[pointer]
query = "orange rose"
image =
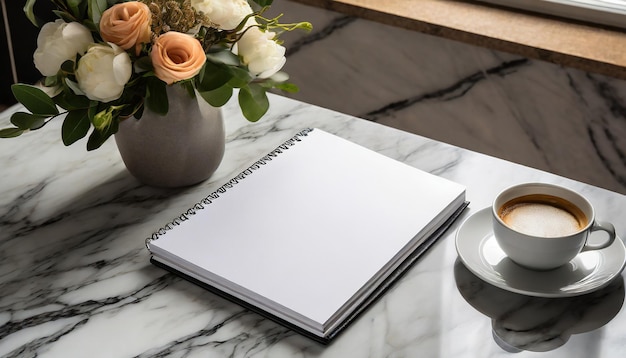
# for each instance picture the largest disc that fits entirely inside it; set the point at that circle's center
(127, 25)
(176, 56)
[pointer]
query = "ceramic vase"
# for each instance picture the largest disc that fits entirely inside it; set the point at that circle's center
(179, 149)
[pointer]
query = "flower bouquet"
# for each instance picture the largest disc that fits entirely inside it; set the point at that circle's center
(104, 61)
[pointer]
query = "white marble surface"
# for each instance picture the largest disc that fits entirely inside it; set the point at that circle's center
(531, 112)
(75, 280)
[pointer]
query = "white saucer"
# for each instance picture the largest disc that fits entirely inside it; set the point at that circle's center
(479, 251)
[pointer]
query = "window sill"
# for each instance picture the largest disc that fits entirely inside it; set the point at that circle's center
(589, 47)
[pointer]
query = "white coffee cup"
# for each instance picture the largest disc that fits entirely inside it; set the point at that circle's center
(543, 226)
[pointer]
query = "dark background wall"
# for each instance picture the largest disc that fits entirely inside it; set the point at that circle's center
(24, 40)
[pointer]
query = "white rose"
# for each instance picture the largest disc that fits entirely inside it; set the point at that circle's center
(263, 56)
(227, 14)
(58, 42)
(103, 71)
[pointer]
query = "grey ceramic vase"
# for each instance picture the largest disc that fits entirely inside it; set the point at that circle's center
(179, 149)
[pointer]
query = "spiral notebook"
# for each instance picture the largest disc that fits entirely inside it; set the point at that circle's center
(310, 234)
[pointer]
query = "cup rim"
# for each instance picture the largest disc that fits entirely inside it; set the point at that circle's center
(590, 220)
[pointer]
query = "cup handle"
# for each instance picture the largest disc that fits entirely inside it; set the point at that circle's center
(604, 226)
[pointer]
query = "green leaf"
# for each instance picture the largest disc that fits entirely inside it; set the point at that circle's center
(97, 138)
(93, 110)
(30, 14)
(74, 87)
(34, 99)
(67, 66)
(287, 87)
(27, 121)
(72, 102)
(156, 96)
(75, 7)
(64, 15)
(264, 2)
(75, 126)
(95, 8)
(224, 56)
(253, 102)
(51, 81)
(91, 25)
(10, 132)
(213, 75)
(134, 108)
(218, 97)
(240, 79)
(143, 64)
(187, 85)
(138, 113)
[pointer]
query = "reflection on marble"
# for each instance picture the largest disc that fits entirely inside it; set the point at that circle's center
(538, 114)
(538, 324)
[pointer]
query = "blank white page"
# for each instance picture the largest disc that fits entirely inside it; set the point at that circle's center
(310, 228)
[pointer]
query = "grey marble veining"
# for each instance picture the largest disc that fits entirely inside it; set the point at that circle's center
(531, 112)
(75, 277)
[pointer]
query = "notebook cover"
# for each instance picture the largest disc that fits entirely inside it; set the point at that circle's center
(387, 211)
(377, 293)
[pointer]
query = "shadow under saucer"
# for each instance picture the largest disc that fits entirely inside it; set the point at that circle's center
(538, 324)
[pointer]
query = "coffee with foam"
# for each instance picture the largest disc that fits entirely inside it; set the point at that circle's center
(543, 216)
(543, 226)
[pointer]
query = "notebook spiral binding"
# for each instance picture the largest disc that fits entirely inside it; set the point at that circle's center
(221, 190)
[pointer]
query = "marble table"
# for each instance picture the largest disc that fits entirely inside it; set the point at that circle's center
(75, 277)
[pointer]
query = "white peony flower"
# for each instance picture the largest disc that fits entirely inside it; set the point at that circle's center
(103, 71)
(263, 56)
(58, 42)
(227, 14)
